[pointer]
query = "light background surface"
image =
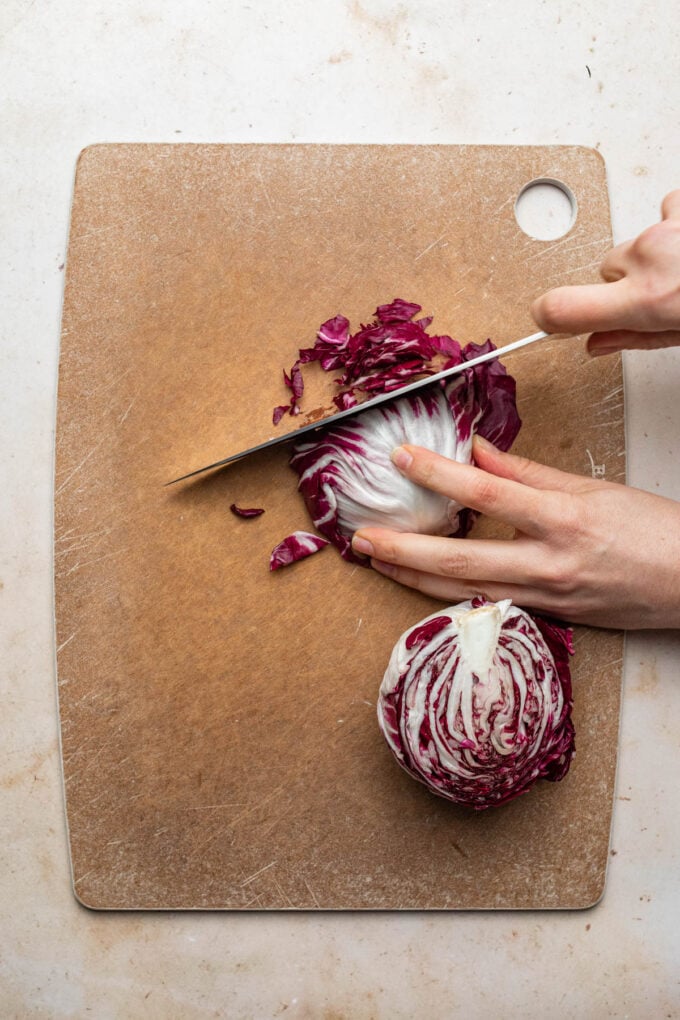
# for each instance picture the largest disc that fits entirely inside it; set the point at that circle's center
(72, 74)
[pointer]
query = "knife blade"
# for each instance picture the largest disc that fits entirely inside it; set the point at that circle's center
(368, 405)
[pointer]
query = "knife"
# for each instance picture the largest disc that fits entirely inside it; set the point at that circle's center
(367, 405)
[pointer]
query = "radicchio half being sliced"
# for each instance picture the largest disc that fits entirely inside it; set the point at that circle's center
(476, 702)
(348, 480)
(295, 547)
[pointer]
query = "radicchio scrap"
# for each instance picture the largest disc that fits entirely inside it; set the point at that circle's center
(476, 702)
(295, 547)
(239, 511)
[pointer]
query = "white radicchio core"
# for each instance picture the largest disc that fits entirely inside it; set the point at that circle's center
(476, 702)
(349, 480)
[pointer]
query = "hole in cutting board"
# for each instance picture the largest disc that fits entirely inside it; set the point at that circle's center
(546, 209)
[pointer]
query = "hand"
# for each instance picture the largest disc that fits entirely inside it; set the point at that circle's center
(638, 306)
(585, 550)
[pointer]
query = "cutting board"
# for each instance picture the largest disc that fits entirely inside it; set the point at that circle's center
(218, 721)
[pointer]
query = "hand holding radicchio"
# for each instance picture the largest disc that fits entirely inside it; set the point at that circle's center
(476, 702)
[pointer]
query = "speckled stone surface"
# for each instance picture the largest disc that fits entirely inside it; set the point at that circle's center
(528, 73)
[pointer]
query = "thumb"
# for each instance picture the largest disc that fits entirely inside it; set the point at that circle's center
(521, 469)
(587, 308)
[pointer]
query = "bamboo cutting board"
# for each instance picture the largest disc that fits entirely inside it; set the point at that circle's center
(219, 735)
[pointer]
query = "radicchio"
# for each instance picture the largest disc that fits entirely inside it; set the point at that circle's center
(476, 702)
(378, 358)
(295, 547)
(247, 512)
(348, 480)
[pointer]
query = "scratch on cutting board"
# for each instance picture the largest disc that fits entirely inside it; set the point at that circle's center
(81, 541)
(254, 899)
(88, 563)
(361, 620)
(67, 641)
(216, 807)
(77, 468)
(113, 226)
(232, 822)
(429, 247)
(108, 384)
(283, 894)
(256, 874)
(126, 413)
(311, 893)
(81, 878)
(600, 241)
(264, 188)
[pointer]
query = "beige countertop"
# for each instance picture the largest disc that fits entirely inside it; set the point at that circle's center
(602, 75)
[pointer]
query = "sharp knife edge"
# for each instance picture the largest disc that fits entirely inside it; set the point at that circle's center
(367, 405)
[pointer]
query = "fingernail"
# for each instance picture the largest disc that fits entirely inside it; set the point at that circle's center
(388, 569)
(362, 546)
(484, 443)
(401, 458)
(596, 352)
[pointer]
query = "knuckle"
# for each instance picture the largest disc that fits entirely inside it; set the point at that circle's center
(645, 244)
(485, 492)
(455, 564)
(561, 575)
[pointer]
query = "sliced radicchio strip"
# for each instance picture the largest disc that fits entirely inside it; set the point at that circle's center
(239, 511)
(476, 702)
(378, 358)
(295, 547)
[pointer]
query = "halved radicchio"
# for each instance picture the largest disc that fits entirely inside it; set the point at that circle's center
(476, 702)
(346, 476)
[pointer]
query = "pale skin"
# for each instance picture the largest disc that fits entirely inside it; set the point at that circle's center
(585, 550)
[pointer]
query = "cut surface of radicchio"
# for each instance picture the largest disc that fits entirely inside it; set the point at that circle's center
(295, 547)
(476, 702)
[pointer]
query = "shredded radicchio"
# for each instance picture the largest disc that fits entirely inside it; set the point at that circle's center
(476, 702)
(295, 547)
(378, 358)
(239, 511)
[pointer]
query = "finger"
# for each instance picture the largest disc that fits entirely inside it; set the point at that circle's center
(499, 498)
(486, 559)
(521, 469)
(453, 590)
(670, 207)
(616, 340)
(615, 263)
(587, 308)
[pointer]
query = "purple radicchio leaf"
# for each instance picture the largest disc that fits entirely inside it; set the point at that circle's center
(247, 512)
(295, 547)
